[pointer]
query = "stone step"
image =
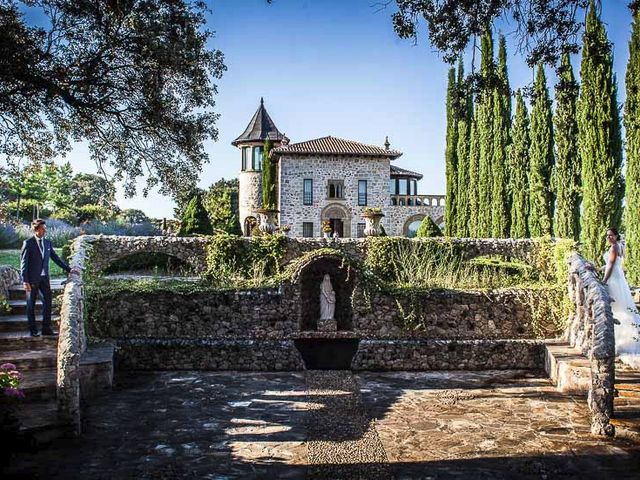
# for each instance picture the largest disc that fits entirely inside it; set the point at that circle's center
(18, 323)
(19, 307)
(567, 368)
(39, 384)
(44, 357)
(22, 340)
(17, 291)
(40, 422)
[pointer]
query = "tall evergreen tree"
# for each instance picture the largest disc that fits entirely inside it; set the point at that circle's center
(473, 191)
(484, 131)
(196, 219)
(464, 163)
(541, 160)
(500, 201)
(599, 138)
(566, 176)
(451, 161)
(269, 197)
(632, 128)
(518, 166)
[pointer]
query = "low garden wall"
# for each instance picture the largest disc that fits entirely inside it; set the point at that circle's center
(8, 276)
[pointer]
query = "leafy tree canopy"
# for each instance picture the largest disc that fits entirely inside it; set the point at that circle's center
(133, 78)
(542, 27)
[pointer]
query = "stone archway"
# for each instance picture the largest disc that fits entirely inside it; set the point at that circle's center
(407, 229)
(339, 217)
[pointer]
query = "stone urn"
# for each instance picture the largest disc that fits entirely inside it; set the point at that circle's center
(372, 223)
(267, 220)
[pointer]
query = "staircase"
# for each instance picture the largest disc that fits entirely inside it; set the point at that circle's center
(626, 416)
(36, 359)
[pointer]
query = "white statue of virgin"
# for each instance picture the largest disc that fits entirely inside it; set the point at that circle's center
(327, 299)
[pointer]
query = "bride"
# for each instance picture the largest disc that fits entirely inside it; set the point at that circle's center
(624, 310)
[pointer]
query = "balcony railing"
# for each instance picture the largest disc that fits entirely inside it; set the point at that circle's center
(417, 200)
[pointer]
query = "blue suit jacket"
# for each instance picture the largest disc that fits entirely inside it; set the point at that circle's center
(32, 262)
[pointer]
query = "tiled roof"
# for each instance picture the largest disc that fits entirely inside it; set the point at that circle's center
(397, 171)
(260, 128)
(335, 146)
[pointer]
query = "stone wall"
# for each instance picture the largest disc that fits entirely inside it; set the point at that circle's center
(205, 354)
(449, 355)
(106, 249)
(8, 276)
(169, 315)
(448, 314)
(246, 326)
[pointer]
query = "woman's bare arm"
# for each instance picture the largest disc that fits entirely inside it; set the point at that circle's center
(613, 254)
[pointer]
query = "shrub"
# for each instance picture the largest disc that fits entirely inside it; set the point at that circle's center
(118, 228)
(9, 238)
(60, 232)
(66, 214)
(428, 228)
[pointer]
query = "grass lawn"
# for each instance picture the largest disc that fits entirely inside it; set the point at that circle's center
(12, 257)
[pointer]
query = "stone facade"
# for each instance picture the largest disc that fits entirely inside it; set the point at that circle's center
(321, 169)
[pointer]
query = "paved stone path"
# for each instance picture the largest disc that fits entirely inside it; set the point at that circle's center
(230, 425)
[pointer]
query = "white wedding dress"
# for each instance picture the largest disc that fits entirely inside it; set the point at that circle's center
(627, 332)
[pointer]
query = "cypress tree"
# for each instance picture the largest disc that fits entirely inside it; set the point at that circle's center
(269, 197)
(428, 228)
(518, 165)
(599, 139)
(473, 191)
(541, 160)
(451, 161)
(566, 177)
(464, 175)
(632, 127)
(484, 131)
(196, 219)
(500, 201)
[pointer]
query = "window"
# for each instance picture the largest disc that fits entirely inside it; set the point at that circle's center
(257, 158)
(403, 186)
(414, 187)
(245, 157)
(307, 192)
(362, 192)
(360, 230)
(307, 229)
(335, 189)
(393, 188)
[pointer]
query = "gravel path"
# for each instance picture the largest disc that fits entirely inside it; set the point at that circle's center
(342, 438)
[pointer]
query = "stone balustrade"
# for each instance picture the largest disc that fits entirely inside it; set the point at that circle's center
(591, 330)
(418, 200)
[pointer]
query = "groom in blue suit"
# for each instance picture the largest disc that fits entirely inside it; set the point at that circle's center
(34, 266)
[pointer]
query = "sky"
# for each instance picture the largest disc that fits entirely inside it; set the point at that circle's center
(336, 67)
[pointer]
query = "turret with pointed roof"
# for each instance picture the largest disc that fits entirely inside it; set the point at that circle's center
(260, 128)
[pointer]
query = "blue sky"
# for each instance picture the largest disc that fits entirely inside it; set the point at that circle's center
(335, 67)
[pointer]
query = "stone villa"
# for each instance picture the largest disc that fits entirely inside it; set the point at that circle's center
(330, 179)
